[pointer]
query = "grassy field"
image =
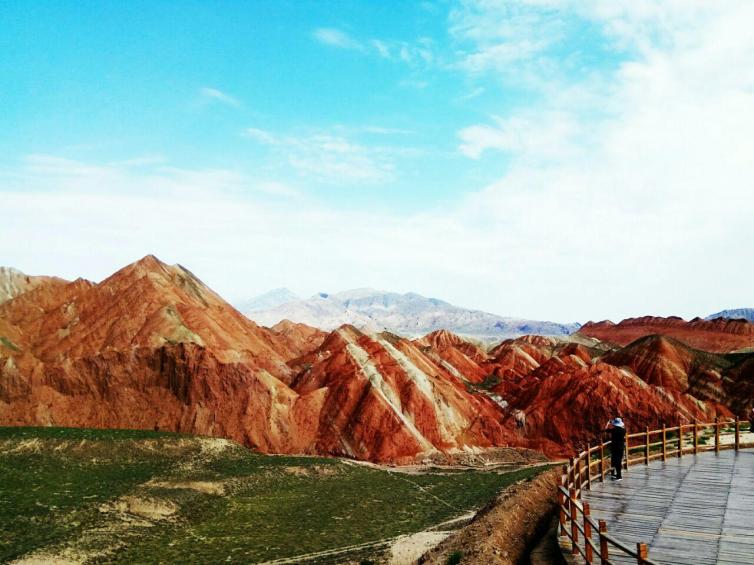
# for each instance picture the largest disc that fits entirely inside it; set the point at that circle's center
(120, 496)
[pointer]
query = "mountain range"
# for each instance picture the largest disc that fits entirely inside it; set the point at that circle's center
(407, 314)
(152, 347)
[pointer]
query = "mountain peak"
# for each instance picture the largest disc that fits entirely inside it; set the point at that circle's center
(149, 262)
(270, 299)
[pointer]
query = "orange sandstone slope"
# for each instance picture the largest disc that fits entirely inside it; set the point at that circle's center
(458, 356)
(151, 346)
(569, 392)
(720, 335)
(389, 401)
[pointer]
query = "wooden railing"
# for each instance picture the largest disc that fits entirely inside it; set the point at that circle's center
(576, 522)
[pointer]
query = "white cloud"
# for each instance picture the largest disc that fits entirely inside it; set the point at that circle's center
(54, 174)
(382, 48)
(416, 53)
(238, 243)
(540, 138)
(505, 36)
(330, 158)
(629, 193)
(213, 94)
(337, 38)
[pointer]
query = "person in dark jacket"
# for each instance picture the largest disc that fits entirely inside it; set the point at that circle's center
(617, 430)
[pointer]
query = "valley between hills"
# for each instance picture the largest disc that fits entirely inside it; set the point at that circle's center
(111, 394)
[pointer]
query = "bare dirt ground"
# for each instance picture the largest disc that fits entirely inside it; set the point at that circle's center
(504, 530)
(503, 458)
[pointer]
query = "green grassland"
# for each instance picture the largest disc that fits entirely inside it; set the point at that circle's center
(123, 496)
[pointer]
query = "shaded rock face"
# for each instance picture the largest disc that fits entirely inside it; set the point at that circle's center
(719, 335)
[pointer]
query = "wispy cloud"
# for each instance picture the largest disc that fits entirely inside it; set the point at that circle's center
(379, 130)
(216, 95)
(337, 38)
(416, 53)
(552, 136)
(330, 157)
(139, 175)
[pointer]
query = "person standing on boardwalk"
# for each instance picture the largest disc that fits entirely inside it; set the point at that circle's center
(617, 430)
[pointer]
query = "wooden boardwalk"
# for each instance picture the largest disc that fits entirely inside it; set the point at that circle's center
(698, 509)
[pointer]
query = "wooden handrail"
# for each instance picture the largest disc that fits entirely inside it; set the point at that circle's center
(577, 475)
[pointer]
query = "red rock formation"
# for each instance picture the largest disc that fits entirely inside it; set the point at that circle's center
(681, 370)
(572, 404)
(182, 387)
(720, 335)
(153, 347)
(295, 339)
(458, 356)
(387, 400)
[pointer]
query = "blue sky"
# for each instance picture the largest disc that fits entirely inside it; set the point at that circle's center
(483, 152)
(183, 81)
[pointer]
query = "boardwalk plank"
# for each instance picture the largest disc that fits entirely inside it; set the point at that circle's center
(698, 509)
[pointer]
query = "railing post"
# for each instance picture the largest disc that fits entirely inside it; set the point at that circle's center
(604, 550)
(642, 553)
(577, 474)
(588, 466)
(646, 447)
(696, 437)
(627, 451)
(571, 466)
(680, 439)
(602, 461)
(738, 434)
(562, 504)
(587, 534)
(717, 434)
(664, 444)
(574, 525)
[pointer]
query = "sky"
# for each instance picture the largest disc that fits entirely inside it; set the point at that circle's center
(564, 160)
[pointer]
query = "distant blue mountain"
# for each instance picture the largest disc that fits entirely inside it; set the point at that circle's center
(736, 313)
(407, 314)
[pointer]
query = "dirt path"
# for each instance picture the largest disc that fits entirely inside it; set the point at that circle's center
(407, 548)
(385, 543)
(503, 531)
